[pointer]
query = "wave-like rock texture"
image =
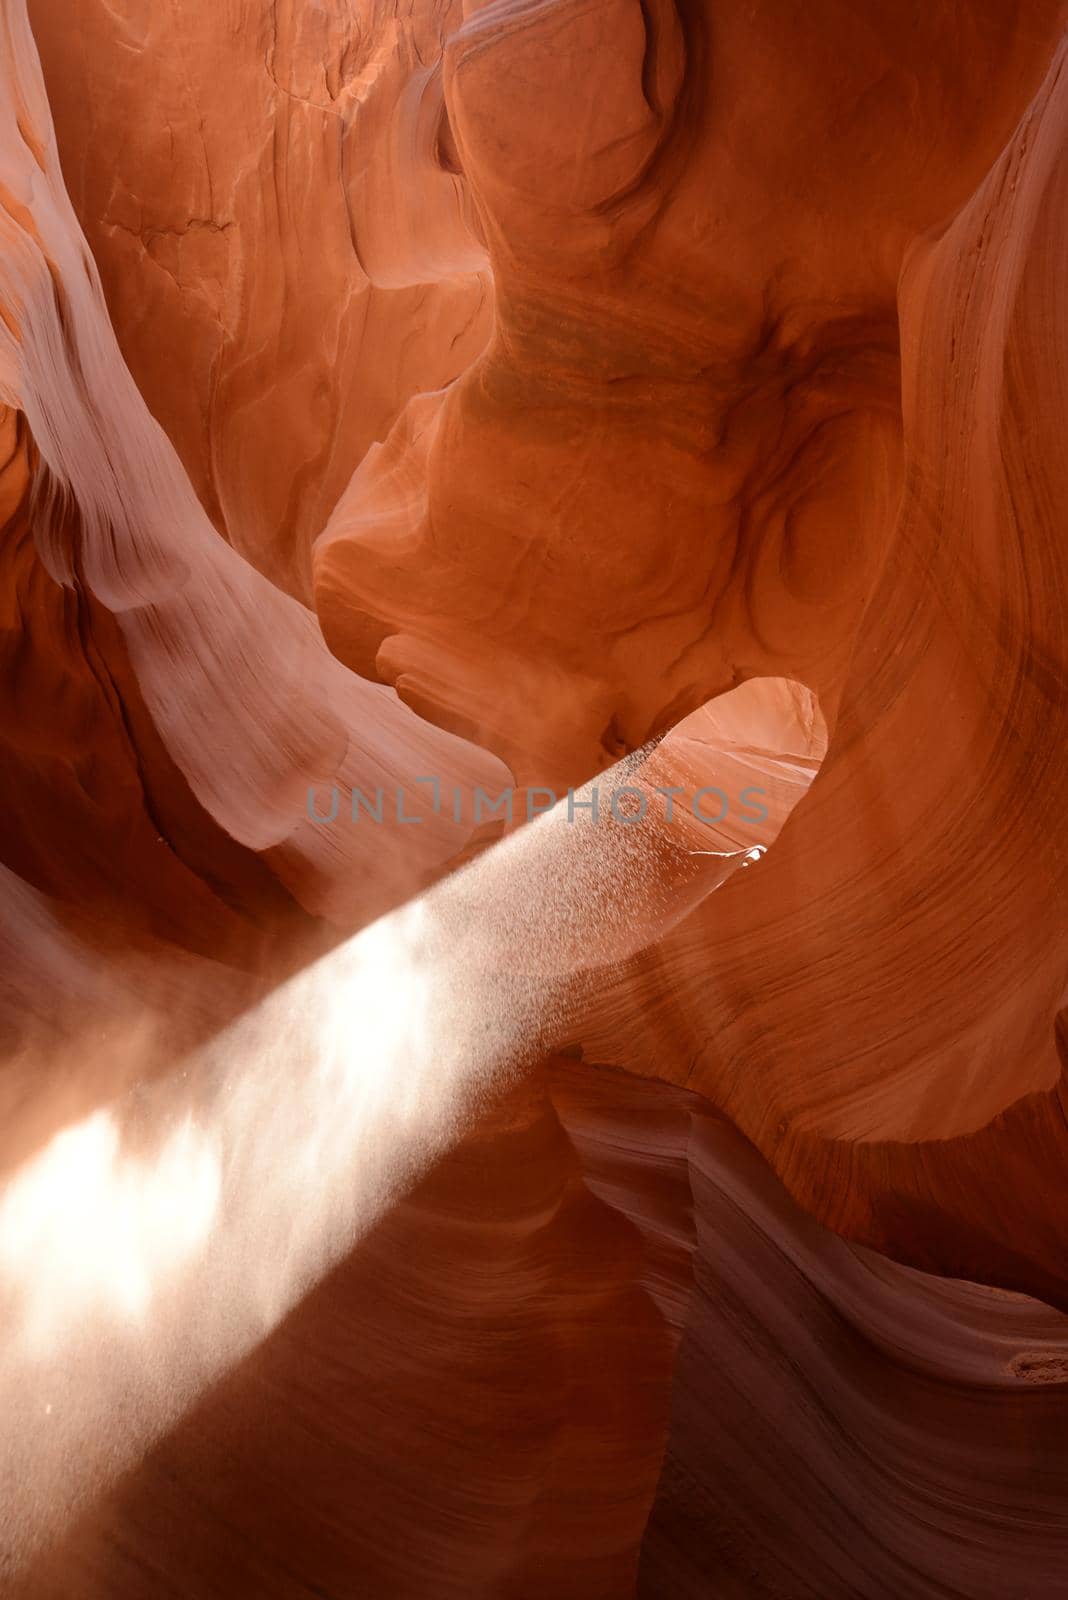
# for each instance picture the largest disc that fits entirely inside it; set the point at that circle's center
(474, 1405)
(727, 479)
(839, 1425)
(882, 1014)
(867, 1394)
(283, 252)
(576, 363)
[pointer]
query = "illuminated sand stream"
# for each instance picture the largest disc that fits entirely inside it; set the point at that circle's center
(146, 1248)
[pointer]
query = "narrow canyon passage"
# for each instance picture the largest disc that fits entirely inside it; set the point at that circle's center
(534, 710)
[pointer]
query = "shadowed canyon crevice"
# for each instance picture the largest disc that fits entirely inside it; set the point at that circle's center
(534, 725)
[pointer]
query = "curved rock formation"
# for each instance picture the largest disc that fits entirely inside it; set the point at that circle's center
(865, 1393)
(577, 364)
(223, 167)
(929, 859)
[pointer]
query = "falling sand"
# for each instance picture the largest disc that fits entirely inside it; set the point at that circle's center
(149, 1246)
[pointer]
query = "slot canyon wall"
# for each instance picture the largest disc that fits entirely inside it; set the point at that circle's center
(482, 391)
